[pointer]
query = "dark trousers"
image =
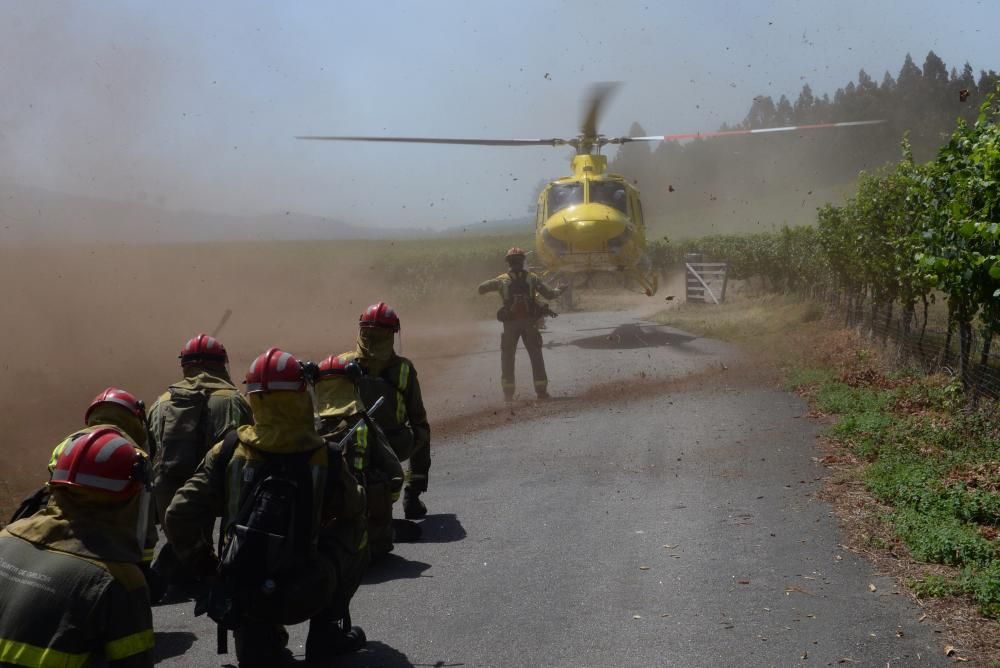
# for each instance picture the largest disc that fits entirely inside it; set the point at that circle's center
(418, 456)
(526, 330)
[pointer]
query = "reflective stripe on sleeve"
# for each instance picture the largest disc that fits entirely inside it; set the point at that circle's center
(17, 653)
(148, 553)
(360, 447)
(404, 380)
(130, 645)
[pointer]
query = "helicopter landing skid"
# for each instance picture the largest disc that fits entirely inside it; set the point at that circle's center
(648, 281)
(626, 279)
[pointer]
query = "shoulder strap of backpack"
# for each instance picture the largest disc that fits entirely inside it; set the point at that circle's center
(229, 444)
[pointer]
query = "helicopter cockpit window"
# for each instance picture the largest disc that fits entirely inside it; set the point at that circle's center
(563, 195)
(610, 193)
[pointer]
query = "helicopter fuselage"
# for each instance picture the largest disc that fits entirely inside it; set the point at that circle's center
(592, 222)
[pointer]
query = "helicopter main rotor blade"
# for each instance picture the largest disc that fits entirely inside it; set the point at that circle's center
(599, 94)
(730, 133)
(445, 140)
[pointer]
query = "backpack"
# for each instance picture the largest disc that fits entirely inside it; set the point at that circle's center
(184, 435)
(32, 504)
(520, 299)
(270, 536)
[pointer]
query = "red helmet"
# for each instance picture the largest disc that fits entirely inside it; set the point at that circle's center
(379, 315)
(103, 460)
(334, 365)
(339, 366)
(119, 397)
(273, 371)
(515, 252)
(203, 348)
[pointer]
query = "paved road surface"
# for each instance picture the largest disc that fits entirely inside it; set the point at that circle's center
(680, 529)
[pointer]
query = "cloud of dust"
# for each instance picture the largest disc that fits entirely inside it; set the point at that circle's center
(96, 139)
(80, 107)
(81, 318)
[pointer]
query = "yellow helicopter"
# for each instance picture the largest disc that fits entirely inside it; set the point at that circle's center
(590, 222)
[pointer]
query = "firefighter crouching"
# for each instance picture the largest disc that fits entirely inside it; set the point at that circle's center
(120, 409)
(71, 590)
(402, 416)
(368, 453)
(279, 488)
(185, 422)
(520, 313)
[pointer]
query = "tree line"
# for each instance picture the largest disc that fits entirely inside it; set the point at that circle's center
(913, 232)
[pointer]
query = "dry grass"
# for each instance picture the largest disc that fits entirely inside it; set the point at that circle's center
(746, 320)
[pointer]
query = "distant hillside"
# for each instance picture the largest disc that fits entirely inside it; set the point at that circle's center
(32, 215)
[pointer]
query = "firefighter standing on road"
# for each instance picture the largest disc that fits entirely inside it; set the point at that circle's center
(71, 590)
(185, 422)
(371, 458)
(402, 416)
(520, 314)
(276, 484)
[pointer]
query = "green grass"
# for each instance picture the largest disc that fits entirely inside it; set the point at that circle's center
(913, 459)
(936, 586)
(802, 377)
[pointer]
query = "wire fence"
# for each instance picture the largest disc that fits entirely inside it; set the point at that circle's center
(912, 341)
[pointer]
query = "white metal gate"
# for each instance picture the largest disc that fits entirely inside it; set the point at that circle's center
(705, 281)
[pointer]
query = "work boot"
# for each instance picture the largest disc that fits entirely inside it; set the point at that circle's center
(543, 395)
(406, 531)
(413, 507)
(262, 645)
(508, 396)
(326, 641)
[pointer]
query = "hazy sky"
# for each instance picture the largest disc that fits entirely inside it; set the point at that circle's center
(194, 105)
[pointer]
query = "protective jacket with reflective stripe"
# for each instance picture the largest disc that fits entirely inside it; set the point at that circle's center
(503, 283)
(402, 415)
(64, 610)
(214, 491)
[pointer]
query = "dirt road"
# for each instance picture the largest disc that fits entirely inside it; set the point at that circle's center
(676, 524)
